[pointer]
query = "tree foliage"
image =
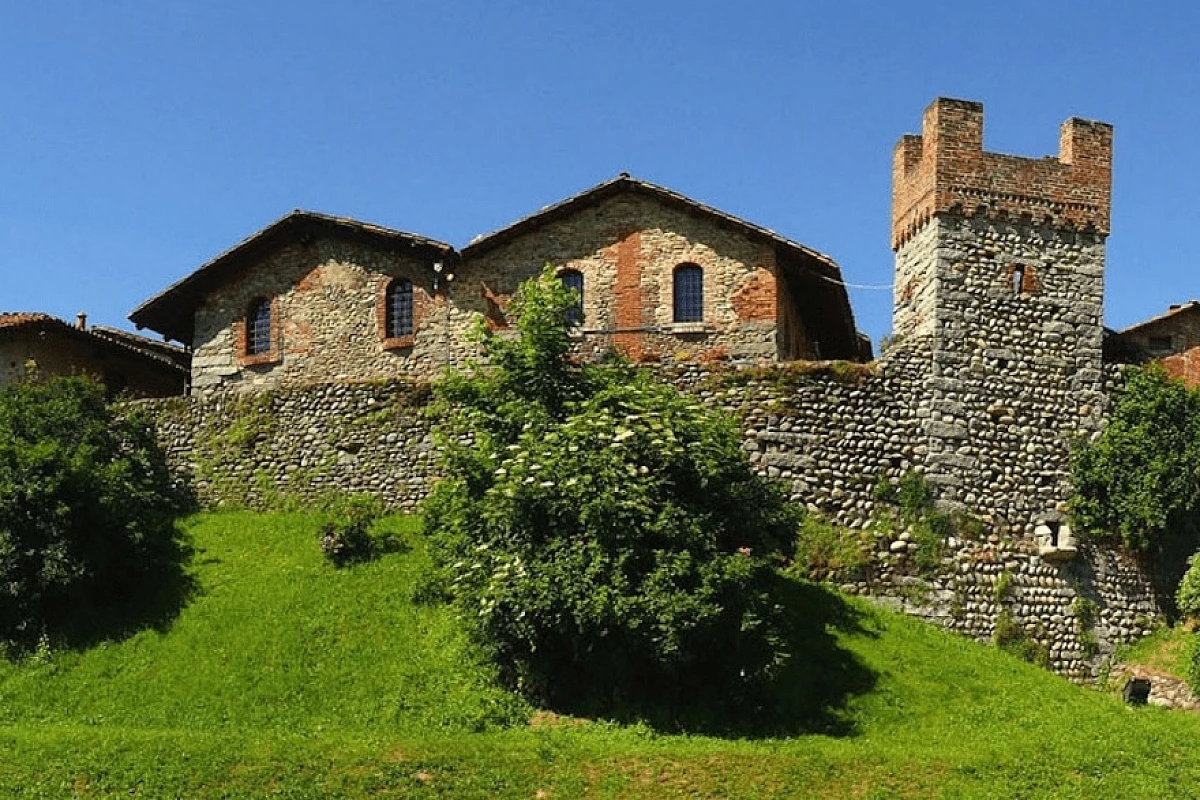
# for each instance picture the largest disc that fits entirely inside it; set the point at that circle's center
(86, 513)
(1140, 479)
(604, 534)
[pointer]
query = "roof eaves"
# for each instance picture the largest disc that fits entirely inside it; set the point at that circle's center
(625, 181)
(211, 272)
(1190, 306)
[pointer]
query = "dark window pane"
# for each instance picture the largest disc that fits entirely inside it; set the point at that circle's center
(400, 309)
(573, 280)
(258, 334)
(689, 293)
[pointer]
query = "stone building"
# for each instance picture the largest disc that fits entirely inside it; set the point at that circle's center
(313, 298)
(1172, 338)
(34, 344)
(1000, 274)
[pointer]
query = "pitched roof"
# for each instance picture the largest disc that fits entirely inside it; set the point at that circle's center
(110, 338)
(626, 183)
(1173, 311)
(171, 312)
(162, 350)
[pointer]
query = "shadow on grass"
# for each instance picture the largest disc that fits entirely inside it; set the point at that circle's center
(149, 598)
(808, 695)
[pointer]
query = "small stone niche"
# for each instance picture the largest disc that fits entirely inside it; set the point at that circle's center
(1055, 540)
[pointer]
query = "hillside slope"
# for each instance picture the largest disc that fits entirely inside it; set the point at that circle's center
(285, 677)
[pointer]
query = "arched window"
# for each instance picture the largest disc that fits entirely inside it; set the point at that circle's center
(573, 280)
(689, 293)
(399, 302)
(258, 327)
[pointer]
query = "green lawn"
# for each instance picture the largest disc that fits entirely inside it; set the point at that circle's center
(284, 677)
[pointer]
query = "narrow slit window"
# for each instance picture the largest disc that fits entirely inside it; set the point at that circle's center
(258, 327)
(399, 309)
(1018, 279)
(573, 279)
(689, 293)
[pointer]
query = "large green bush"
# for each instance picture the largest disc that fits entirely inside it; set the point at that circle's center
(604, 534)
(86, 515)
(1140, 479)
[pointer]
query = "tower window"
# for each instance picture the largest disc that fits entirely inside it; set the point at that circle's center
(1018, 279)
(573, 279)
(258, 327)
(689, 293)
(399, 302)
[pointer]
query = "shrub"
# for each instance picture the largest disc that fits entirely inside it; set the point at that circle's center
(1140, 479)
(1187, 598)
(87, 534)
(1010, 637)
(603, 535)
(346, 539)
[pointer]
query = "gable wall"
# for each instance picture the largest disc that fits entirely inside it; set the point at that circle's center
(627, 248)
(327, 299)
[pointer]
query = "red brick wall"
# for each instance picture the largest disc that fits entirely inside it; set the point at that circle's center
(946, 168)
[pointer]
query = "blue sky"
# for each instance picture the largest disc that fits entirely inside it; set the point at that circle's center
(138, 139)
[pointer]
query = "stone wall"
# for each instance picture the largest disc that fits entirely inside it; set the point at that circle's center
(1016, 369)
(828, 431)
(299, 445)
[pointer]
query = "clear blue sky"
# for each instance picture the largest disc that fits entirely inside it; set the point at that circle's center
(138, 139)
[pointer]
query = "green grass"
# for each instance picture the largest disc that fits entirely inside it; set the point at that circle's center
(284, 677)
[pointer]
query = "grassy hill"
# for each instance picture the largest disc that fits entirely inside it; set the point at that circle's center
(284, 677)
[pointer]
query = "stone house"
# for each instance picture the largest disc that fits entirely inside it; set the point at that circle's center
(313, 298)
(39, 344)
(1172, 338)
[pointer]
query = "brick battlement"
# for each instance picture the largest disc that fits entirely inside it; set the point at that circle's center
(945, 170)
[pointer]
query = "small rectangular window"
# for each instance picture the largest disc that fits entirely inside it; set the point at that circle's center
(1160, 344)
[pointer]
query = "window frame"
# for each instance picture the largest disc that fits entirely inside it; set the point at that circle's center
(390, 337)
(569, 277)
(258, 332)
(687, 301)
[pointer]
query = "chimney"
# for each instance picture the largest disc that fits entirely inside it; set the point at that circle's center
(81, 321)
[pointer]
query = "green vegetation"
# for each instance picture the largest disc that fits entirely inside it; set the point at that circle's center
(87, 535)
(604, 537)
(1187, 596)
(1140, 479)
(287, 677)
(909, 504)
(827, 552)
(348, 537)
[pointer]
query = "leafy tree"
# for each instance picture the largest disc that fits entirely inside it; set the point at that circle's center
(603, 534)
(1140, 479)
(87, 512)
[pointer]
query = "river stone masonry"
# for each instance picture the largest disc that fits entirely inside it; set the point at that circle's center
(1000, 267)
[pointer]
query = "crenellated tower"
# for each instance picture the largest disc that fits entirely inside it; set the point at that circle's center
(1000, 275)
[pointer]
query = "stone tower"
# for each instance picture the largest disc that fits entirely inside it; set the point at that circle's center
(1000, 278)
